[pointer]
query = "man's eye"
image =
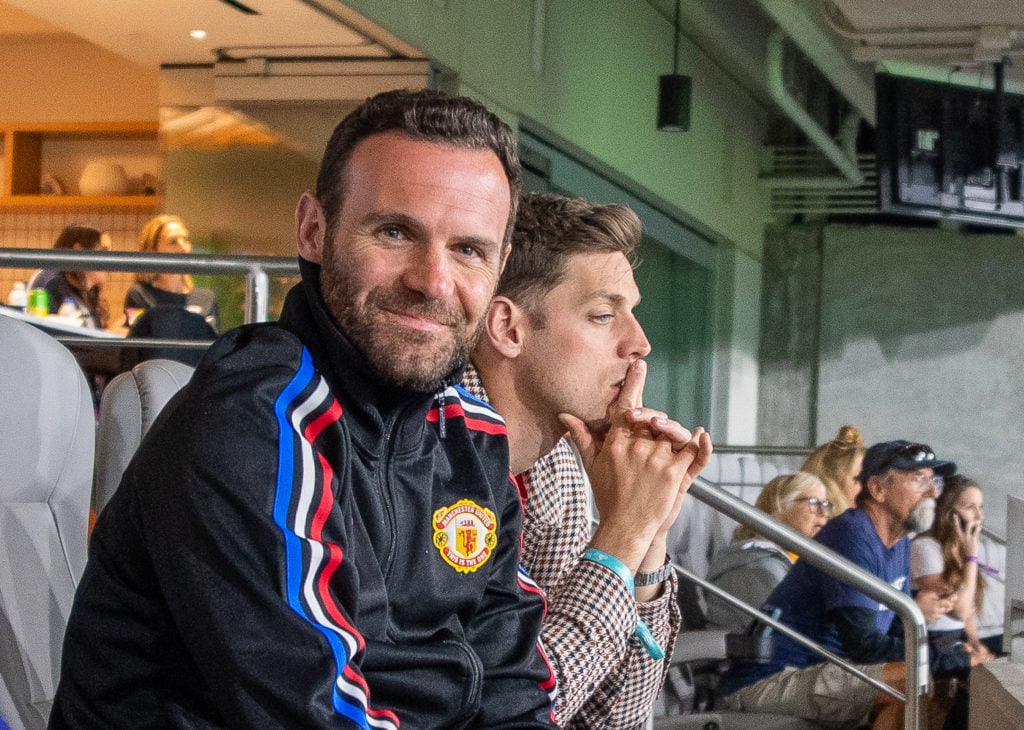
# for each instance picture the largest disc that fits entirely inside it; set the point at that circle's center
(468, 251)
(391, 232)
(603, 318)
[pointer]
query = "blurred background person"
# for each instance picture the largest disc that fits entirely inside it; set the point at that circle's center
(168, 234)
(837, 463)
(79, 295)
(82, 289)
(752, 566)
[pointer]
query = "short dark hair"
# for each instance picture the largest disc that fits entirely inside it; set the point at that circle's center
(549, 229)
(425, 115)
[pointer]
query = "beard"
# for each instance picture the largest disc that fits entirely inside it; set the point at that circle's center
(413, 359)
(922, 516)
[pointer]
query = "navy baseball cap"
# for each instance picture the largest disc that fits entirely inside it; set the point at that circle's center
(902, 455)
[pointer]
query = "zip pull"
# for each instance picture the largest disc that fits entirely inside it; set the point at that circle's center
(441, 419)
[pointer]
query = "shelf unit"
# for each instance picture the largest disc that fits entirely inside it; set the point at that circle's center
(23, 152)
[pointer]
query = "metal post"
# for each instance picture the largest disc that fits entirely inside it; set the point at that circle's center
(257, 295)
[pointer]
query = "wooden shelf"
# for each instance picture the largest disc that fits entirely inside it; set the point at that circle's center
(49, 202)
(25, 160)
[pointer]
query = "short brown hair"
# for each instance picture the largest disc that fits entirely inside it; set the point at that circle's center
(424, 115)
(549, 229)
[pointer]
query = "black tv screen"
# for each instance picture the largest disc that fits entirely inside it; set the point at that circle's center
(947, 151)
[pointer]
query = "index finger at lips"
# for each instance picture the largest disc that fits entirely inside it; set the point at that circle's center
(632, 394)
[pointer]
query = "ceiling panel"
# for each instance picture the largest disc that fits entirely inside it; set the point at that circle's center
(866, 15)
(157, 32)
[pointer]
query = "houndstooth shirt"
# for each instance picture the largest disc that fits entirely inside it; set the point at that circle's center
(606, 679)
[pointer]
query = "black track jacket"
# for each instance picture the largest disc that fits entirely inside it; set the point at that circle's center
(298, 544)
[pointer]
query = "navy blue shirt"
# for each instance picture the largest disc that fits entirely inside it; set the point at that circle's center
(806, 596)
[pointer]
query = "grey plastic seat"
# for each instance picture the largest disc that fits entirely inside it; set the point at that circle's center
(47, 432)
(130, 404)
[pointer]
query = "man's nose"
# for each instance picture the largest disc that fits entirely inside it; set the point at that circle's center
(635, 343)
(430, 273)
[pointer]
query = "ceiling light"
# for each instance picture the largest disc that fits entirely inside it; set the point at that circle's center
(198, 34)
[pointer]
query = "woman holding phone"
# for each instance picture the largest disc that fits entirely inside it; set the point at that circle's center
(945, 558)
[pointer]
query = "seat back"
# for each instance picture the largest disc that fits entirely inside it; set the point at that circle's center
(47, 432)
(130, 404)
(172, 323)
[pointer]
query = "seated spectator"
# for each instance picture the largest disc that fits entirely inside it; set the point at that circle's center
(561, 340)
(752, 566)
(899, 480)
(82, 291)
(83, 288)
(837, 463)
(320, 530)
(945, 558)
(168, 234)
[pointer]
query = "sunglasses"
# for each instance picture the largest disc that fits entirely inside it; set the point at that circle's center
(818, 506)
(916, 453)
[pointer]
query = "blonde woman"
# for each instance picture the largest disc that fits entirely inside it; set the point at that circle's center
(837, 463)
(168, 234)
(752, 566)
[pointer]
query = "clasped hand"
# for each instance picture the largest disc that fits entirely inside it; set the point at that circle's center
(640, 464)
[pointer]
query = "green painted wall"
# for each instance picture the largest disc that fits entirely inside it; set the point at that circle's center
(597, 88)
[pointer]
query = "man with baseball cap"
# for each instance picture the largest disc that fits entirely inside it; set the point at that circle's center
(900, 481)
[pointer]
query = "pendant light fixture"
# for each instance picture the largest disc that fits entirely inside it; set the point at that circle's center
(674, 91)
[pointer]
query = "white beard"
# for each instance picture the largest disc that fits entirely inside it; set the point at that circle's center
(922, 516)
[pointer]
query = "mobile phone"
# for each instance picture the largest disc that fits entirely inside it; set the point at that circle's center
(960, 519)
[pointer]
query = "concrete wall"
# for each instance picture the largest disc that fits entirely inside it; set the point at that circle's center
(921, 337)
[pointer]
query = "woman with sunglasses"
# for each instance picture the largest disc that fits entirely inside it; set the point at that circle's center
(752, 566)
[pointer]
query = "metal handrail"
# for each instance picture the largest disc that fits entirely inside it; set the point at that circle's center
(257, 269)
(746, 608)
(914, 628)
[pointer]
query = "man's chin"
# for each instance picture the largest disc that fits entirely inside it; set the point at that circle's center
(922, 517)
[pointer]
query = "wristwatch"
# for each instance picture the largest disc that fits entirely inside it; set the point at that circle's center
(654, 577)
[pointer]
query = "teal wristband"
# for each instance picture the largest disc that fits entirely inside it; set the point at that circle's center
(619, 568)
(613, 564)
(643, 633)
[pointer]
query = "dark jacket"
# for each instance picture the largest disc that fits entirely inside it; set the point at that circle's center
(296, 544)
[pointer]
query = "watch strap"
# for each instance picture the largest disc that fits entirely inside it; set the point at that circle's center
(653, 577)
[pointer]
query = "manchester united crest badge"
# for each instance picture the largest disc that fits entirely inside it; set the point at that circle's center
(465, 534)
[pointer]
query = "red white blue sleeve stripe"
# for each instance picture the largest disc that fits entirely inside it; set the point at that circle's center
(303, 502)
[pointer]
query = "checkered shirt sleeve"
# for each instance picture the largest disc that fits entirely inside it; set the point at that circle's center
(606, 679)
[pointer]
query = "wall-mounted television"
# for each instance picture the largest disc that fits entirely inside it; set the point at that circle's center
(947, 151)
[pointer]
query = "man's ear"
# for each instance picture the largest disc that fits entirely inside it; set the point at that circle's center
(505, 326)
(875, 488)
(310, 228)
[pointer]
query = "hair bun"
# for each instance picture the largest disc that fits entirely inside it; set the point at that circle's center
(849, 436)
